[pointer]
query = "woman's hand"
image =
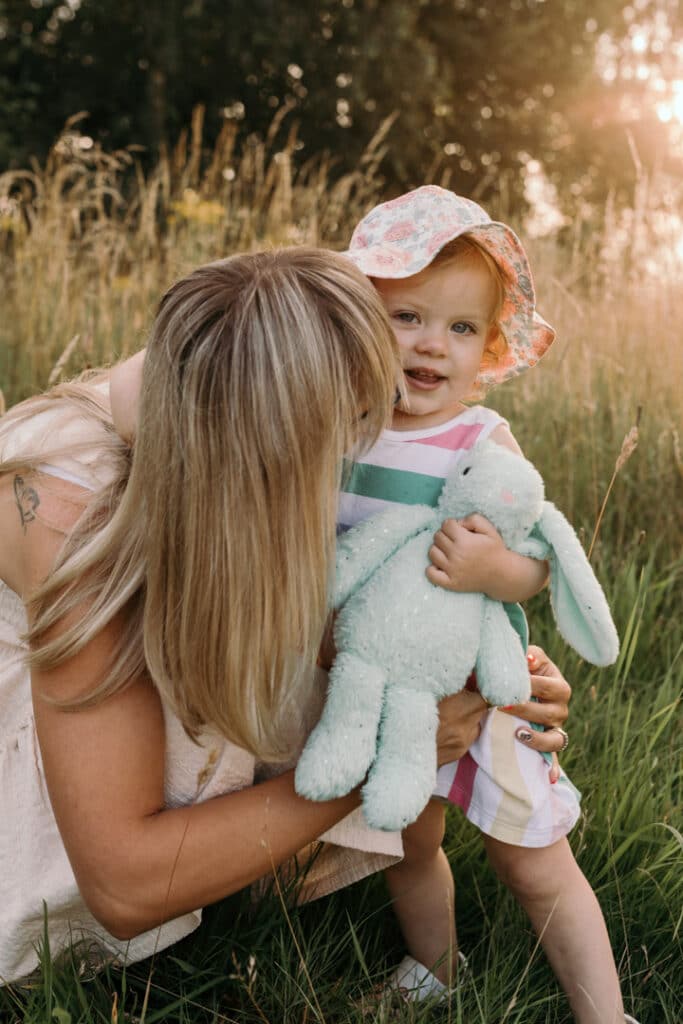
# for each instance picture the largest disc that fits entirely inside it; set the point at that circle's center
(459, 724)
(460, 715)
(550, 709)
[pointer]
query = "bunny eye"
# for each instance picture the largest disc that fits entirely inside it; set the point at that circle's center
(466, 470)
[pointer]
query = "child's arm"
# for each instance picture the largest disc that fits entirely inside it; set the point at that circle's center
(469, 555)
(125, 380)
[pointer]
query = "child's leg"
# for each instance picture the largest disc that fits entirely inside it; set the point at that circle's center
(423, 893)
(564, 911)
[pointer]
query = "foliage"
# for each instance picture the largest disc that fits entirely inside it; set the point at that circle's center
(479, 87)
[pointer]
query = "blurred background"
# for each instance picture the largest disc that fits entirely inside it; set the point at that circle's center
(562, 98)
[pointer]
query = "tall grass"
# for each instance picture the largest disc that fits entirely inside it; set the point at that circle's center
(88, 242)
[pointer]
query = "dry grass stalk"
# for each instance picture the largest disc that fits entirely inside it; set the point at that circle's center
(64, 358)
(628, 446)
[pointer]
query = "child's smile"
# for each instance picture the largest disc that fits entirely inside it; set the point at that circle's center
(423, 379)
(442, 321)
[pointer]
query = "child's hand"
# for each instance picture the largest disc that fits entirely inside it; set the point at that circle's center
(466, 554)
(469, 556)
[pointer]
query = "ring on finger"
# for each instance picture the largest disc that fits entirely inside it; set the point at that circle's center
(563, 734)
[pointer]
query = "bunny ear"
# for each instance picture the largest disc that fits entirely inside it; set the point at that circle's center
(581, 612)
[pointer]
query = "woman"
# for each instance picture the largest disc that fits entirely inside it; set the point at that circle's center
(174, 599)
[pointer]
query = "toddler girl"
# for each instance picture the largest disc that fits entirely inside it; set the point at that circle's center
(458, 290)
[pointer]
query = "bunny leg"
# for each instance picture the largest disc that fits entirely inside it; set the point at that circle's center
(502, 670)
(342, 745)
(403, 775)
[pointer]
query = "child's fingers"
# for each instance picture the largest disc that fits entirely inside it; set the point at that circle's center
(439, 577)
(449, 530)
(476, 523)
(448, 541)
(438, 556)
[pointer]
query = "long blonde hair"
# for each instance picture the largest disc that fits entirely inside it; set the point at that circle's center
(261, 371)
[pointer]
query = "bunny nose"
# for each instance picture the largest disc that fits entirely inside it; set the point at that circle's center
(508, 497)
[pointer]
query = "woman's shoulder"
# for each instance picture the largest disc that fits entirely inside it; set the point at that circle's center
(67, 432)
(36, 513)
(56, 450)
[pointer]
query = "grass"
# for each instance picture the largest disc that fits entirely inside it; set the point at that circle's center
(88, 242)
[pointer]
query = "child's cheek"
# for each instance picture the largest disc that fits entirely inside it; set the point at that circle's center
(404, 343)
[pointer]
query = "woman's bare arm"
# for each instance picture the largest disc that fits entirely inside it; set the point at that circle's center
(136, 862)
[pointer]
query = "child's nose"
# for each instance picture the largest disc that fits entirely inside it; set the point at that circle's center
(432, 341)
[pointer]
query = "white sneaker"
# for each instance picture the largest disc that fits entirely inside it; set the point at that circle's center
(415, 983)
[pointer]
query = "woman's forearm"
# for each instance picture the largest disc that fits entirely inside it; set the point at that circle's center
(138, 863)
(183, 858)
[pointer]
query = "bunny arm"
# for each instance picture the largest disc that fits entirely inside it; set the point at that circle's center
(577, 599)
(363, 548)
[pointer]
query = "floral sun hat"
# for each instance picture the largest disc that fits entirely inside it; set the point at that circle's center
(401, 237)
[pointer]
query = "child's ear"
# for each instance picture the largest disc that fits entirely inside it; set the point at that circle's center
(495, 346)
(493, 340)
(125, 382)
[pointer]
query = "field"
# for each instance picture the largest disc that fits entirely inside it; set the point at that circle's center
(87, 244)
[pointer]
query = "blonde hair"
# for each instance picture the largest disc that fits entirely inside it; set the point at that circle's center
(467, 247)
(217, 544)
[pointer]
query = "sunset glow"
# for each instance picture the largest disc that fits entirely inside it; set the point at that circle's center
(672, 108)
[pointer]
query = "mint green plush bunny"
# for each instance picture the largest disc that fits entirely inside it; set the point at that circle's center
(403, 643)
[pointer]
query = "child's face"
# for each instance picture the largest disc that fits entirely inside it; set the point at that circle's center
(442, 321)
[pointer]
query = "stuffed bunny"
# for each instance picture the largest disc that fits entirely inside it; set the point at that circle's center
(403, 643)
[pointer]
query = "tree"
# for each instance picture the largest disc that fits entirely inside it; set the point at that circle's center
(480, 86)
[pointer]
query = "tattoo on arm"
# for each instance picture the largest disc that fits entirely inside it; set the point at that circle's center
(27, 501)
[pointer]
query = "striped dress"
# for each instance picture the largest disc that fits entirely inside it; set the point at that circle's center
(501, 785)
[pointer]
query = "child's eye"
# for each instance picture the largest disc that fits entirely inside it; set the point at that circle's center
(405, 316)
(462, 327)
